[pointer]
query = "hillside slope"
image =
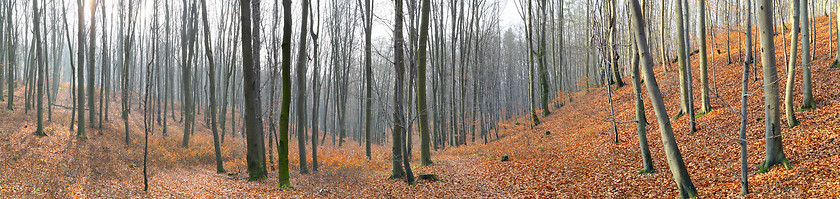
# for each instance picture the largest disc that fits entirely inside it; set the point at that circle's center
(577, 159)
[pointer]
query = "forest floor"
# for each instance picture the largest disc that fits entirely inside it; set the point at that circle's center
(577, 159)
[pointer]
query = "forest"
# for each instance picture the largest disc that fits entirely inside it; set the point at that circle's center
(419, 99)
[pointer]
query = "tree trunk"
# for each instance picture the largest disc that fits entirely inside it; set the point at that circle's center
(316, 86)
(253, 112)
(368, 76)
(301, 82)
(212, 67)
(641, 120)
(422, 109)
(36, 22)
(791, 68)
(836, 63)
(682, 58)
(91, 67)
(80, 83)
(283, 136)
(774, 153)
(543, 73)
(807, 96)
(705, 103)
(672, 151)
(397, 141)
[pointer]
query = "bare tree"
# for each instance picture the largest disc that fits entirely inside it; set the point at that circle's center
(672, 151)
(253, 112)
(774, 153)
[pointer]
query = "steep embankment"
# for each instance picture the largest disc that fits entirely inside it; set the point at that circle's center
(578, 158)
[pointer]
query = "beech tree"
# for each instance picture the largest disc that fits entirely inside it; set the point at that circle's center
(772, 130)
(253, 112)
(672, 151)
(41, 71)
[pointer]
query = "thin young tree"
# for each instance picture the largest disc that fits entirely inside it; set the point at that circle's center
(11, 45)
(127, 43)
(682, 57)
(399, 150)
(91, 66)
(672, 151)
(641, 120)
(791, 68)
(208, 52)
(301, 82)
(422, 109)
(705, 103)
(80, 75)
(772, 130)
(188, 105)
(397, 170)
(38, 45)
(253, 118)
(283, 136)
(807, 94)
(316, 84)
(368, 22)
(148, 124)
(836, 62)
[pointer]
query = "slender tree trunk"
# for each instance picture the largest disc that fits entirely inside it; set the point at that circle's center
(301, 82)
(36, 22)
(422, 109)
(91, 67)
(543, 73)
(791, 68)
(682, 58)
(836, 62)
(316, 85)
(253, 117)
(807, 96)
(705, 103)
(662, 46)
(80, 91)
(672, 151)
(743, 133)
(641, 120)
(397, 141)
(368, 76)
(212, 67)
(283, 137)
(11, 37)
